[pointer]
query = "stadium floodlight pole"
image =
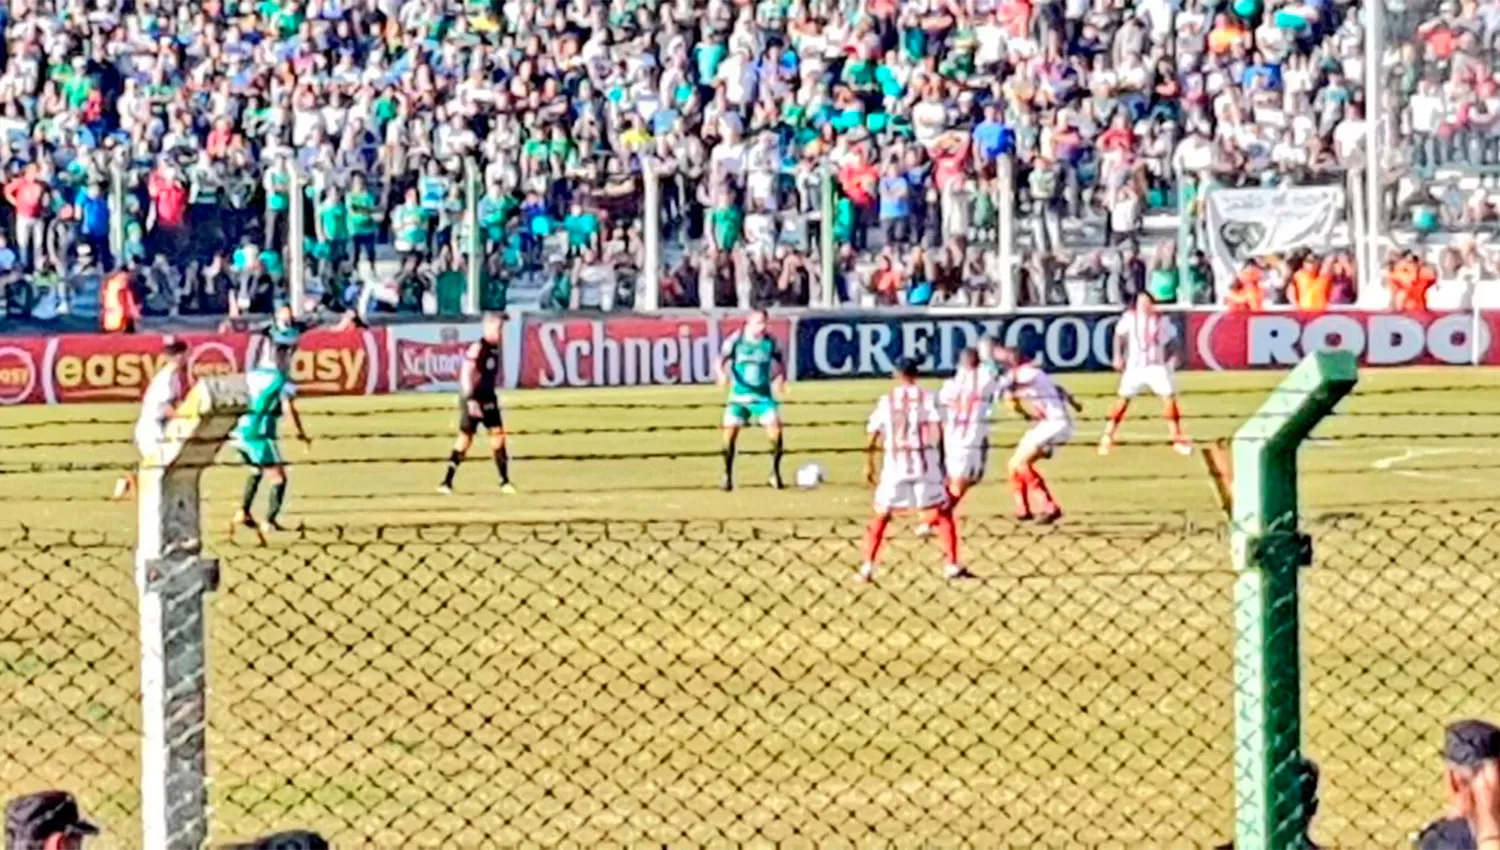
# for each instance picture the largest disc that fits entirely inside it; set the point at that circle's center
(1005, 205)
(117, 211)
(1375, 118)
(296, 253)
(1358, 213)
(1269, 553)
(650, 294)
(827, 244)
(1186, 202)
(473, 241)
(172, 580)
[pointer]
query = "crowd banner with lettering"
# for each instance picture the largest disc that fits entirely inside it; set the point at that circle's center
(428, 357)
(117, 367)
(1235, 340)
(631, 351)
(859, 345)
(1245, 223)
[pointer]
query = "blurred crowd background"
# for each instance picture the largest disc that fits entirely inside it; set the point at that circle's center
(157, 137)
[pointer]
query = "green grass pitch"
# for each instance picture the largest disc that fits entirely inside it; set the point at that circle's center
(701, 672)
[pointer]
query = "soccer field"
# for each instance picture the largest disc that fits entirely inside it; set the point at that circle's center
(623, 655)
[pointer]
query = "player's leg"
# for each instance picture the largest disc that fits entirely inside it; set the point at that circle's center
(735, 417)
(253, 452)
(770, 419)
(1130, 387)
(466, 428)
(1165, 387)
(1026, 479)
(889, 496)
(501, 453)
(874, 541)
(277, 473)
(935, 495)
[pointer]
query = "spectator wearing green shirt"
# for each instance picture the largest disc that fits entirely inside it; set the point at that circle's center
(332, 228)
(277, 184)
(582, 228)
(409, 232)
(361, 209)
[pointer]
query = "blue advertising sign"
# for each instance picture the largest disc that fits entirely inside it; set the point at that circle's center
(862, 345)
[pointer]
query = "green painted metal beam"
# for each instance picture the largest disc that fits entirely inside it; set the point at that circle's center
(1269, 552)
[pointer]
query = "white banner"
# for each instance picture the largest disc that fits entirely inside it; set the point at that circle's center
(1247, 223)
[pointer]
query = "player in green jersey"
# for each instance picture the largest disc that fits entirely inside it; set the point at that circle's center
(255, 435)
(751, 366)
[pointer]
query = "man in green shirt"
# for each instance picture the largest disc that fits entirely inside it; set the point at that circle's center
(409, 231)
(277, 183)
(332, 227)
(752, 368)
(361, 208)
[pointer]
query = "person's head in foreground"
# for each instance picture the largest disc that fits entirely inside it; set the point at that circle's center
(297, 839)
(1467, 746)
(907, 370)
(46, 820)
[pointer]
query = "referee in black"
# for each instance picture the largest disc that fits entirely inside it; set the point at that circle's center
(479, 404)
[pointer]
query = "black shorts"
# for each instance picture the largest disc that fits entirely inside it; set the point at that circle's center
(489, 416)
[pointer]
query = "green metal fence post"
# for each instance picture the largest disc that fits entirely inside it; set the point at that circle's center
(1269, 552)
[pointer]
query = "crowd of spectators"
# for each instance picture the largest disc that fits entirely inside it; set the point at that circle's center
(1105, 107)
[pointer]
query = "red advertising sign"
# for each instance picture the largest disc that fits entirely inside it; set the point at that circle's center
(21, 360)
(117, 367)
(629, 351)
(427, 358)
(1237, 340)
(345, 362)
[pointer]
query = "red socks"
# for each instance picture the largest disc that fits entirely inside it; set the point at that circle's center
(1116, 416)
(875, 537)
(1021, 485)
(1174, 419)
(947, 532)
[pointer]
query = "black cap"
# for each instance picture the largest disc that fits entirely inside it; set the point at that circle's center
(1446, 834)
(1469, 742)
(174, 346)
(297, 839)
(33, 818)
(908, 367)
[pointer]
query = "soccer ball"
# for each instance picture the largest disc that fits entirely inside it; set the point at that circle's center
(809, 475)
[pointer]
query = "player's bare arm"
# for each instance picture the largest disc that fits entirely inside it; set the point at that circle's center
(1117, 357)
(1071, 399)
(468, 379)
(289, 407)
(872, 451)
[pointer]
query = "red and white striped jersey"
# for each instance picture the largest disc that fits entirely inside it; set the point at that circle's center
(1146, 335)
(966, 398)
(903, 417)
(1036, 388)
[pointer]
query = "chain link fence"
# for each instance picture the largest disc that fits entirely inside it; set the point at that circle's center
(724, 684)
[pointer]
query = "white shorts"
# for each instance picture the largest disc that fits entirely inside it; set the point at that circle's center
(909, 494)
(149, 444)
(1138, 379)
(966, 462)
(1046, 436)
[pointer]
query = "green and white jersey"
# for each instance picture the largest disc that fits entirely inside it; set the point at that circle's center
(268, 387)
(752, 364)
